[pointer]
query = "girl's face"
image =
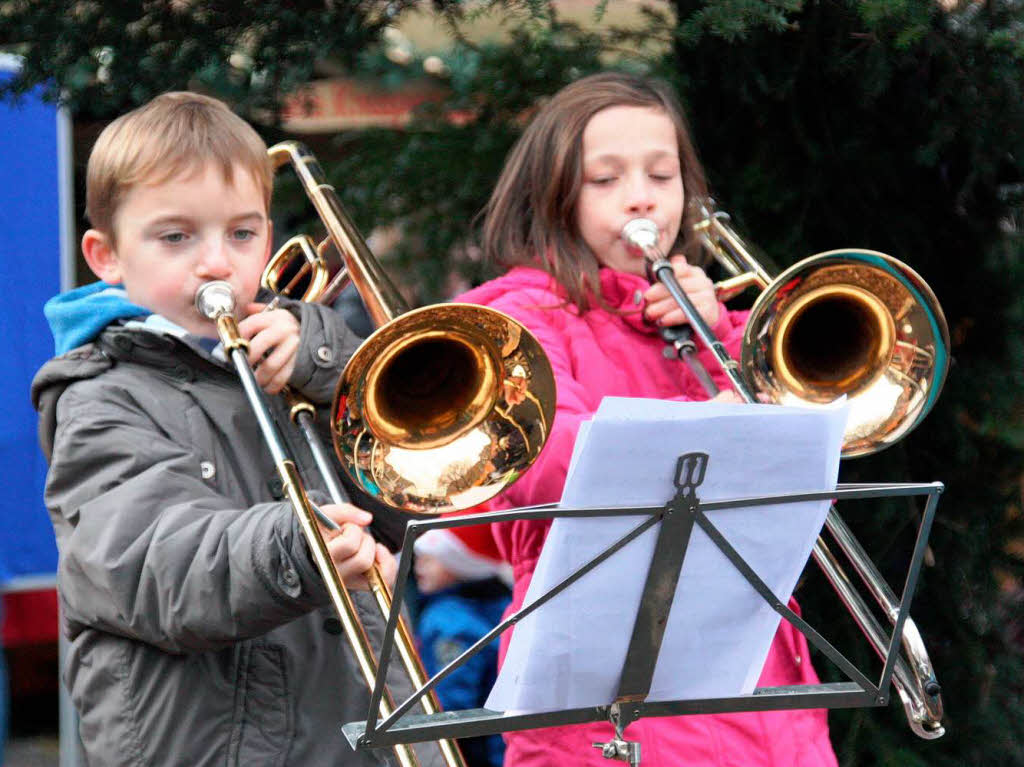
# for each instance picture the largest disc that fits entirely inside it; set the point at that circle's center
(630, 170)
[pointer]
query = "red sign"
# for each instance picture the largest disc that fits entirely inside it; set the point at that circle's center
(339, 104)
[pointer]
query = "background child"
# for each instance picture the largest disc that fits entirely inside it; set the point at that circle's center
(602, 151)
(200, 631)
(464, 590)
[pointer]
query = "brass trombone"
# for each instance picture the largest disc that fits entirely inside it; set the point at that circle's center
(851, 322)
(444, 406)
(441, 408)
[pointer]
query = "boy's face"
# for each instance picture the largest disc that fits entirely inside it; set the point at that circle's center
(170, 238)
(631, 170)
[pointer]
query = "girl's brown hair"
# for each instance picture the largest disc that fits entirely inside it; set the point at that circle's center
(531, 216)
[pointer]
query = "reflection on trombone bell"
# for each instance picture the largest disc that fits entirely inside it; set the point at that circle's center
(847, 322)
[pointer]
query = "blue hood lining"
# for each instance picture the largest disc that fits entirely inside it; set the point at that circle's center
(80, 315)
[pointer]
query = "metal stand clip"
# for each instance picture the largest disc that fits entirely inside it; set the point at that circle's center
(618, 748)
(622, 750)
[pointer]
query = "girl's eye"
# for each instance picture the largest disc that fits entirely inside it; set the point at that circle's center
(602, 180)
(663, 176)
(173, 238)
(243, 235)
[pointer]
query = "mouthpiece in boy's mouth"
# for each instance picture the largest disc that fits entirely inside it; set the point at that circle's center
(215, 298)
(641, 237)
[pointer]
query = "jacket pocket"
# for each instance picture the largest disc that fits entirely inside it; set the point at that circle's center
(263, 707)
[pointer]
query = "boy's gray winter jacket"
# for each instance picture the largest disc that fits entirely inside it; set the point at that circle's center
(200, 632)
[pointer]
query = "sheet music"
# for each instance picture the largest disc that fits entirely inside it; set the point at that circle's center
(569, 653)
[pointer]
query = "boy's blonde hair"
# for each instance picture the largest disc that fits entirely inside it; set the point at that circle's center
(175, 133)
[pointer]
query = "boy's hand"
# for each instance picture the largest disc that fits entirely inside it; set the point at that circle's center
(663, 310)
(274, 334)
(353, 550)
(388, 565)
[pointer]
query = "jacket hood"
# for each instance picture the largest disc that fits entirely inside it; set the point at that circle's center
(78, 316)
(56, 375)
(152, 343)
(518, 278)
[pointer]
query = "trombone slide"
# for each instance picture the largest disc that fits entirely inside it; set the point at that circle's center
(641, 238)
(216, 301)
(302, 413)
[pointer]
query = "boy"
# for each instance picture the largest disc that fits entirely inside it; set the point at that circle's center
(200, 631)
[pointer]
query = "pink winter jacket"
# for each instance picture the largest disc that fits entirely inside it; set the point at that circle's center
(600, 354)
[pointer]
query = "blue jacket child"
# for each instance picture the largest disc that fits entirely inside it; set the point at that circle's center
(464, 591)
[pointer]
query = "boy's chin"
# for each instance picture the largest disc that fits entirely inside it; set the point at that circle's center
(207, 331)
(197, 326)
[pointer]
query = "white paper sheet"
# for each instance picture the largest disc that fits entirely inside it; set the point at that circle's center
(569, 653)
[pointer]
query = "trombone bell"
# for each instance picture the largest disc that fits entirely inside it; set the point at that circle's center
(832, 341)
(853, 322)
(442, 408)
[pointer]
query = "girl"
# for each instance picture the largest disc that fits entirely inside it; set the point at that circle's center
(604, 150)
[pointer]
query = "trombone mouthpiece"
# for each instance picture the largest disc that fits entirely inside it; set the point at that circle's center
(641, 237)
(214, 299)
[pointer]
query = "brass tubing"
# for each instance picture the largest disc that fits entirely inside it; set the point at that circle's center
(382, 595)
(382, 300)
(413, 665)
(912, 675)
(729, 249)
(930, 704)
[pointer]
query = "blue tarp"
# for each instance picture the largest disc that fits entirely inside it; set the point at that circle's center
(30, 272)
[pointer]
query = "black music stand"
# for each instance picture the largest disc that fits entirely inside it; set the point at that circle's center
(677, 519)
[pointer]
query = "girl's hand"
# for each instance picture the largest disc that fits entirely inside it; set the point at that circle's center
(727, 395)
(663, 310)
(273, 343)
(352, 549)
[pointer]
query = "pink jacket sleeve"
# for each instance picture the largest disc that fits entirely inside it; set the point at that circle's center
(542, 482)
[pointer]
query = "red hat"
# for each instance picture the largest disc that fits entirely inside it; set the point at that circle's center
(468, 552)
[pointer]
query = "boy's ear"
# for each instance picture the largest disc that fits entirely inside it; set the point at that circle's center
(99, 254)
